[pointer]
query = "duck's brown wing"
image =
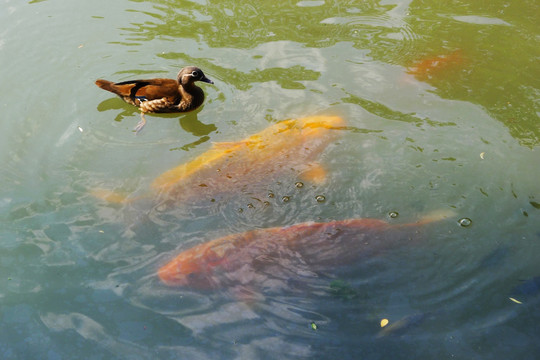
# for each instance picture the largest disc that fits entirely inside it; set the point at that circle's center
(150, 89)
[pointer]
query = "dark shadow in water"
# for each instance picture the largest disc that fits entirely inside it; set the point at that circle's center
(190, 123)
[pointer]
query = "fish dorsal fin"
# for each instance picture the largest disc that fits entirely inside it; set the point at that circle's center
(315, 174)
(230, 145)
(227, 145)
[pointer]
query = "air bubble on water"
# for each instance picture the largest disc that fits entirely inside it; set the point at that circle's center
(271, 195)
(465, 222)
(285, 198)
(299, 184)
(393, 214)
(250, 206)
(320, 198)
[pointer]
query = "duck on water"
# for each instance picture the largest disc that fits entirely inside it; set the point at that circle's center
(161, 95)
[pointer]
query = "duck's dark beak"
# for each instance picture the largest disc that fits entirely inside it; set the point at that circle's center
(207, 80)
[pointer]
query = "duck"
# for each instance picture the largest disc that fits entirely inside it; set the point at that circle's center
(160, 95)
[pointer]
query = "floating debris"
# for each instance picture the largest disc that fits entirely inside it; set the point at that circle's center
(535, 204)
(516, 301)
(482, 155)
(384, 322)
(314, 326)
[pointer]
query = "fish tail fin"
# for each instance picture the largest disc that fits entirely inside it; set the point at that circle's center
(315, 174)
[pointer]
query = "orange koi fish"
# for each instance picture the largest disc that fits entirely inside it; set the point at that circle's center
(289, 146)
(437, 65)
(246, 257)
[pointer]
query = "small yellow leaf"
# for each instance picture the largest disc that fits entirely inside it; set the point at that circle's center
(384, 322)
(482, 154)
(516, 301)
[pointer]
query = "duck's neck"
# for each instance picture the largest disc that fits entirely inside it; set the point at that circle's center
(192, 97)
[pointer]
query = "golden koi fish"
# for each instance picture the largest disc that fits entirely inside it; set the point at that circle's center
(241, 258)
(289, 146)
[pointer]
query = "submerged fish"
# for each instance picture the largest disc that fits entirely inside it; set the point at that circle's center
(266, 255)
(436, 65)
(290, 146)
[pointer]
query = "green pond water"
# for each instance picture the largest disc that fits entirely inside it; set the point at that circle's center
(442, 105)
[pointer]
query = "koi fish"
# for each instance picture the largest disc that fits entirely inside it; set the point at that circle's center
(258, 255)
(434, 66)
(290, 146)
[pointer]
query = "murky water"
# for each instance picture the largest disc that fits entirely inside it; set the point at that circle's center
(441, 105)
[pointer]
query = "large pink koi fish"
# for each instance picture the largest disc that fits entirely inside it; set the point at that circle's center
(241, 258)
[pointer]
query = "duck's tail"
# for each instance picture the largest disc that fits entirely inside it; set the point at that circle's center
(106, 85)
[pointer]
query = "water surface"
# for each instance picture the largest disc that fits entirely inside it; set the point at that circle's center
(441, 102)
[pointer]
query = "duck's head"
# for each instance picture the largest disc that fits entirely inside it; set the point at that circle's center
(190, 74)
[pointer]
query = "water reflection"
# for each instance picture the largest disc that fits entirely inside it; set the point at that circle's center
(117, 104)
(484, 79)
(76, 281)
(402, 33)
(188, 122)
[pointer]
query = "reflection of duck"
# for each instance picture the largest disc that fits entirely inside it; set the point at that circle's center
(161, 95)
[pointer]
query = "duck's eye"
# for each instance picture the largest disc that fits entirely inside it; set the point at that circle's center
(195, 74)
